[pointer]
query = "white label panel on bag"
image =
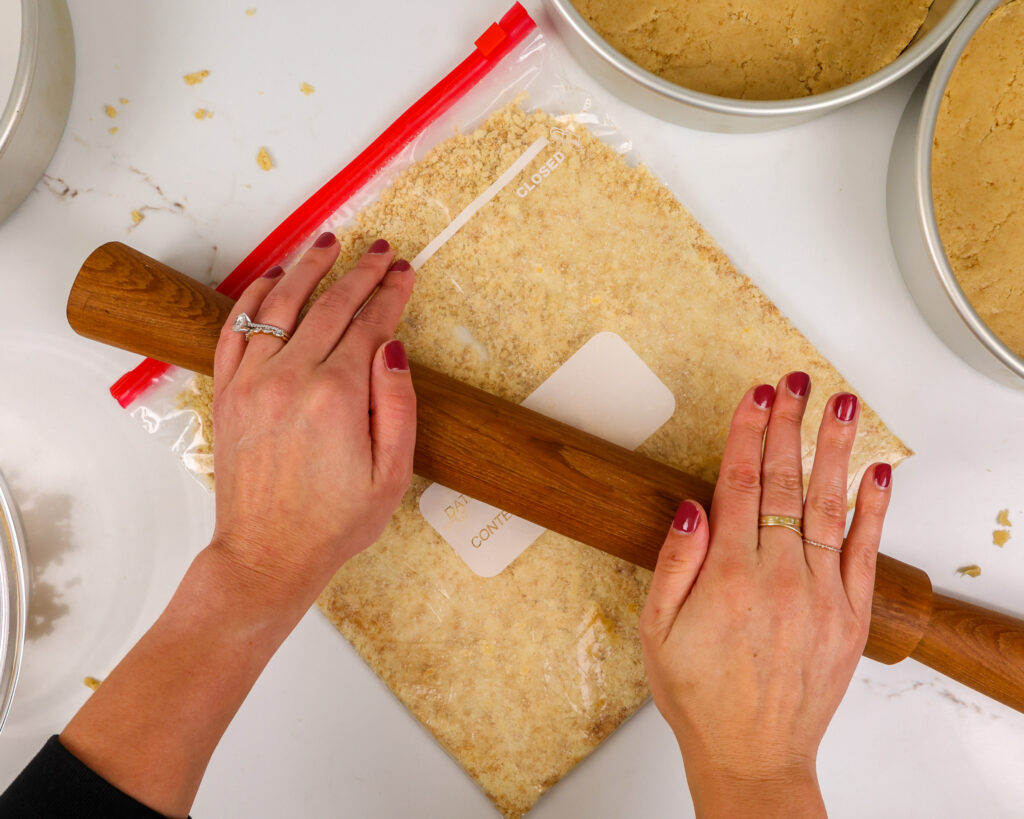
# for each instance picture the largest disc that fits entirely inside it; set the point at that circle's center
(605, 389)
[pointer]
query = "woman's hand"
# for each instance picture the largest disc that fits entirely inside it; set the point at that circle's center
(314, 436)
(751, 635)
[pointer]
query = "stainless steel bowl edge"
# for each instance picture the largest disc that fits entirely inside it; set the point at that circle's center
(706, 112)
(13, 598)
(37, 110)
(914, 230)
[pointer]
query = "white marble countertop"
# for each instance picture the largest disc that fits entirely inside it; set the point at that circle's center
(113, 519)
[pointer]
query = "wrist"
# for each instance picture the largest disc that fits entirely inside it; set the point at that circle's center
(763, 787)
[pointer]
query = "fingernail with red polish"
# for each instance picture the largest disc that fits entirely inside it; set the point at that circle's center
(845, 407)
(883, 476)
(325, 240)
(764, 396)
(274, 272)
(798, 383)
(395, 358)
(687, 518)
(401, 265)
(380, 246)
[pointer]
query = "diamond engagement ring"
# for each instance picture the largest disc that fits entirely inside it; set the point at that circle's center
(794, 524)
(244, 324)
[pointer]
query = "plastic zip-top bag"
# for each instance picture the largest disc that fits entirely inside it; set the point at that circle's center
(553, 271)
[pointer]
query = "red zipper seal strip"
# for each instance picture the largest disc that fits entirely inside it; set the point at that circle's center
(495, 44)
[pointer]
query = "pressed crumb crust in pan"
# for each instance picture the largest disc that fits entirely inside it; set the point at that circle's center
(758, 49)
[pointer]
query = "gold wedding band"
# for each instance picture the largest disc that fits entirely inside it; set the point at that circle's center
(793, 524)
(823, 545)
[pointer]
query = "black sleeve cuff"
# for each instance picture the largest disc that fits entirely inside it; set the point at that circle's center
(56, 784)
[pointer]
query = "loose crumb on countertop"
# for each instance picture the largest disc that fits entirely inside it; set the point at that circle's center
(969, 571)
(306, 88)
(1000, 537)
(263, 159)
(112, 130)
(202, 113)
(124, 100)
(196, 77)
(1003, 518)
(250, 12)
(137, 216)
(92, 682)
(111, 111)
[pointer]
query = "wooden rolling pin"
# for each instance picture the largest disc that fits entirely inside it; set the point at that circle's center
(545, 471)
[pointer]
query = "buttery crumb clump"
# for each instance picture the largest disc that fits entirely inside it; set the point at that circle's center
(202, 113)
(969, 571)
(306, 88)
(520, 676)
(110, 111)
(196, 77)
(758, 49)
(263, 160)
(978, 173)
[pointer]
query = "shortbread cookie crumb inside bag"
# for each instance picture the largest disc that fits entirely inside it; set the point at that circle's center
(527, 222)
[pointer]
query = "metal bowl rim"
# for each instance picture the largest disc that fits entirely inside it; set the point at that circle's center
(14, 561)
(924, 141)
(813, 104)
(17, 100)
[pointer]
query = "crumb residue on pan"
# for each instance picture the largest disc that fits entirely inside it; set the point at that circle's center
(758, 49)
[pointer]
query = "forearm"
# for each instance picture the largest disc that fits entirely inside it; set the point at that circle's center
(153, 725)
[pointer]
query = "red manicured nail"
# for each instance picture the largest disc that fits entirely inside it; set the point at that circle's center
(883, 476)
(845, 406)
(401, 266)
(798, 383)
(764, 396)
(380, 246)
(687, 518)
(325, 240)
(395, 358)
(274, 272)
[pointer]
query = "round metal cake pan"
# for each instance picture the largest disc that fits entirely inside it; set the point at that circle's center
(915, 232)
(37, 109)
(13, 597)
(707, 112)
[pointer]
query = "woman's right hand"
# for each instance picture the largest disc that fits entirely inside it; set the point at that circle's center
(314, 436)
(752, 634)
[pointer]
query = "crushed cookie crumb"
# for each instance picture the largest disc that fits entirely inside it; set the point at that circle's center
(196, 77)
(520, 277)
(1000, 537)
(1003, 518)
(250, 12)
(202, 113)
(138, 216)
(306, 88)
(112, 131)
(969, 571)
(263, 160)
(111, 111)
(124, 100)
(92, 682)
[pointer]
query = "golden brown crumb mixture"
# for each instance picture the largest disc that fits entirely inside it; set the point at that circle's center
(196, 77)
(758, 49)
(978, 173)
(522, 675)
